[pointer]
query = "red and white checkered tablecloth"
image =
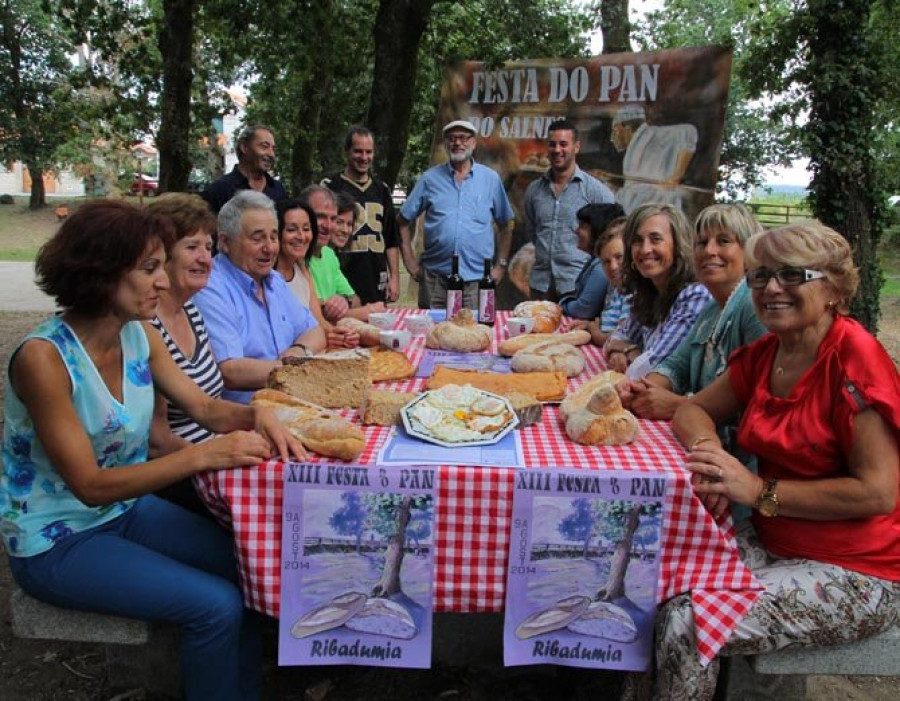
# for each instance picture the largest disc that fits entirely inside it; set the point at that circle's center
(473, 520)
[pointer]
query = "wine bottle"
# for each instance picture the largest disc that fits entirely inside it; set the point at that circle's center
(486, 295)
(454, 289)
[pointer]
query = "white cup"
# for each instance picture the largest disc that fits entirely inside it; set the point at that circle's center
(418, 324)
(383, 320)
(395, 340)
(517, 325)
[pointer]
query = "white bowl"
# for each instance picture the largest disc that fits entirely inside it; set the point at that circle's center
(418, 324)
(395, 340)
(383, 320)
(517, 325)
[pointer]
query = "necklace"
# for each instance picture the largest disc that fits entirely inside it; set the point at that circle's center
(714, 337)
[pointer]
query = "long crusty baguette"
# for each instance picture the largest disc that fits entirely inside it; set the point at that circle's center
(319, 430)
(511, 346)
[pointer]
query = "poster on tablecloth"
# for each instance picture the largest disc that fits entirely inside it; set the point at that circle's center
(583, 568)
(357, 565)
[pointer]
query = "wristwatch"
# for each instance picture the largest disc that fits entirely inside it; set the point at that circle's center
(503, 262)
(767, 502)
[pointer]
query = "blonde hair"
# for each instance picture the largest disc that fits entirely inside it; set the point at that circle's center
(734, 218)
(808, 244)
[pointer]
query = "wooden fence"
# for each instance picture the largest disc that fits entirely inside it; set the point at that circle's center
(774, 215)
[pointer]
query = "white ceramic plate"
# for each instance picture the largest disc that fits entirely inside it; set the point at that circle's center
(417, 430)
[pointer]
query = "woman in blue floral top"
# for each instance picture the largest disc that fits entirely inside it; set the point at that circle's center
(77, 516)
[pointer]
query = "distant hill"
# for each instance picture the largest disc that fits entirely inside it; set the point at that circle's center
(768, 190)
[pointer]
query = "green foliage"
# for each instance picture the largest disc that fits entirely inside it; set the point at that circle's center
(384, 510)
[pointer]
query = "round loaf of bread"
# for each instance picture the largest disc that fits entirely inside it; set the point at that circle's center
(548, 357)
(461, 334)
(546, 315)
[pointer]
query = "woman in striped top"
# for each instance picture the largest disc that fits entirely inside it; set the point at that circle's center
(183, 331)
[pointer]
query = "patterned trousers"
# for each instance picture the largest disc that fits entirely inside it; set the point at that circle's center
(805, 603)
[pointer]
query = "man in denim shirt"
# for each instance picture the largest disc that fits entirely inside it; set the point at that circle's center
(461, 200)
(551, 203)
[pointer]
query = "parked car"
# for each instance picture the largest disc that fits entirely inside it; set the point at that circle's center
(197, 181)
(149, 186)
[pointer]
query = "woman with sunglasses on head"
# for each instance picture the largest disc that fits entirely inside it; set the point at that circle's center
(820, 408)
(728, 321)
(666, 300)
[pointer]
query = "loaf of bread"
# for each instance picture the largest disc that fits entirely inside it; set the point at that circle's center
(333, 380)
(369, 335)
(460, 334)
(602, 421)
(323, 432)
(547, 315)
(386, 365)
(549, 356)
(546, 386)
(382, 408)
(511, 346)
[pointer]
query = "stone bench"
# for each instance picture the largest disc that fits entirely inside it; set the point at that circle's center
(782, 674)
(137, 652)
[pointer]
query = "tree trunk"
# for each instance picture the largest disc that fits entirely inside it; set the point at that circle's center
(845, 182)
(399, 25)
(615, 582)
(38, 198)
(306, 128)
(176, 44)
(393, 555)
(615, 27)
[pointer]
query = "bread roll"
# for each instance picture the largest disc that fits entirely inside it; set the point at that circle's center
(511, 346)
(602, 421)
(460, 334)
(548, 357)
(547, 315)
(321, 431)
(369, 335)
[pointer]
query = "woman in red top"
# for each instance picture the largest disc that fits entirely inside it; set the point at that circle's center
(820, 403)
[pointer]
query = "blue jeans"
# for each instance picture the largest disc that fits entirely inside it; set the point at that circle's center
(159, 562)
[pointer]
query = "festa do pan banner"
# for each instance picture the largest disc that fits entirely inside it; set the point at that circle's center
(650, 124)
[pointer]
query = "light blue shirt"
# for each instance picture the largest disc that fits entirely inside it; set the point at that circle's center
(240, 325)
(551, 221)
(590, 291)
(36, 506)
(459, 217)
(616, 309)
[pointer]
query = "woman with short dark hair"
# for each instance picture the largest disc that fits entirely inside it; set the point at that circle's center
(77, 514)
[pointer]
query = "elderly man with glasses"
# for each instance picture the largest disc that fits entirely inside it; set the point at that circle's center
(461, 200)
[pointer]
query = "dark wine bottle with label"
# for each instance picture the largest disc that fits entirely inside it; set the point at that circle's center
(454, 289)
(486, 293)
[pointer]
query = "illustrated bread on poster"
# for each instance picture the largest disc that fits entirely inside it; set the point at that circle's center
(549, 356)
(460, 334)
(546, 386)
(556, 617)
(329, 615)
(547, 315)
(511, 346)
(319, 430)
(603, 619)
(383, 617)
(333, 380)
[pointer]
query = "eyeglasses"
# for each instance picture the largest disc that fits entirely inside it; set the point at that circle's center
(457, 138)
(758, 278)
